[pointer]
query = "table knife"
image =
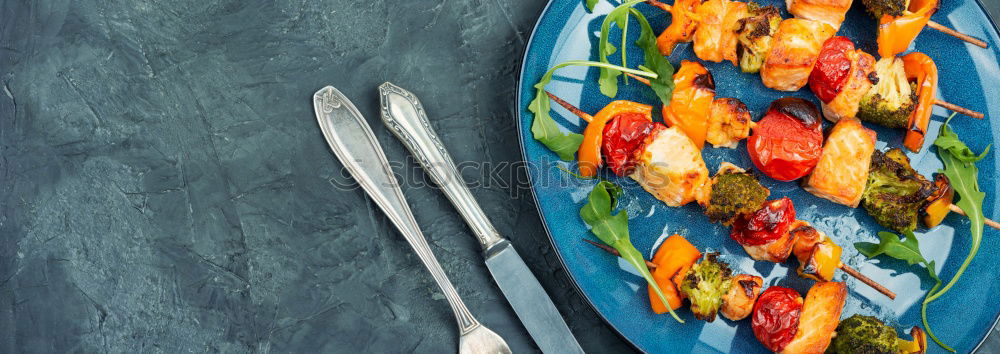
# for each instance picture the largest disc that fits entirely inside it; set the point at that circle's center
(405, 117)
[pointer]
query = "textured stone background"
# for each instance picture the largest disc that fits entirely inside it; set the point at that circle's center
(165, 186)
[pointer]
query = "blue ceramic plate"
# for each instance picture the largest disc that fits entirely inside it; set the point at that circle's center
(968, 76)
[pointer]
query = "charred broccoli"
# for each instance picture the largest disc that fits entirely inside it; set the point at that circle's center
(864, 334)
(705, 284)
(891, 100)
(734, 193)
(885, 7)
(754, 34)
(895, 193)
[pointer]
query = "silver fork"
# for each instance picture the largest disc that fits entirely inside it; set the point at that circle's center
(351, 139)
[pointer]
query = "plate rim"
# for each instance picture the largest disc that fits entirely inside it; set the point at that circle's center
(545, 225)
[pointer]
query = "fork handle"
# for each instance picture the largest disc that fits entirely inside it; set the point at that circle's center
(405, 117)
(352, 140)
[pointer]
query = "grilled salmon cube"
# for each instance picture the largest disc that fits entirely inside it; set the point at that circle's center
(819, 318)
(842, 171)
(830, 12)
(670, 167)
(794, 49)
(738, 303)
(859, 81)
(715, 39)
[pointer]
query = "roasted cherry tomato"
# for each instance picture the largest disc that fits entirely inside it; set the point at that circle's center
(787, 142)
(831, 69)
(589, 153)
(776, 317)
(766, 224)
(623, 135)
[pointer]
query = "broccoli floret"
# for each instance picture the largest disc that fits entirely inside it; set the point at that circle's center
(895, 193)
(891, 100)
(877, 8)
(734, 194)
(705, 284)
(754, 34)
(864, 334)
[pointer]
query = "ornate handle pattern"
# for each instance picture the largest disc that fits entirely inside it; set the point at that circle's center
(351, 139)
(405, 117)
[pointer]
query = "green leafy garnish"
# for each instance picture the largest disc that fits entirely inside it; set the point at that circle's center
(960, 167)
(612, 229)
(544, 128)
(590, 4)
(663, 84)
(907, 250)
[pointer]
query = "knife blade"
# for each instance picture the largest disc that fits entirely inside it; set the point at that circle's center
(403, 113)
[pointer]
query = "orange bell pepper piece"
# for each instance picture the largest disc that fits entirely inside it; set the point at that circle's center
(896, 33)
(920, 69)
(590, 149)
(683, 23)
(691, 103)
(675, 255)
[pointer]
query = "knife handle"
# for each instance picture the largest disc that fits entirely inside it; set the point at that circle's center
(352, 140)
(405, 117)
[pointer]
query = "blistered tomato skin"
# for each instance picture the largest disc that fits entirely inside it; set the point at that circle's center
(831, 69)
(787, 142)
(624, 135)
(766, 224)
(776, 317)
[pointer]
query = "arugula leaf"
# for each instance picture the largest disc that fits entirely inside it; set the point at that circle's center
(544, 128)
(891, 245)
(590, 4)
(908, 250)
(948, 141)
(612, 229)
(960, 167)
(663, 85)
(608, 79)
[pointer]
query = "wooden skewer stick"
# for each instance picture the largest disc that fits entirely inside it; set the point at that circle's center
(847, 269)
(660, 5)
(975, 41)
(868, 281)
(638, 78)
(988, 222)
(583, 115)
(613, 251)
(959, 109)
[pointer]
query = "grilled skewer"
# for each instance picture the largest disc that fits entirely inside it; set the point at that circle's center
(787, 323)
(836, 17)
(846, 268)
(788, 52)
